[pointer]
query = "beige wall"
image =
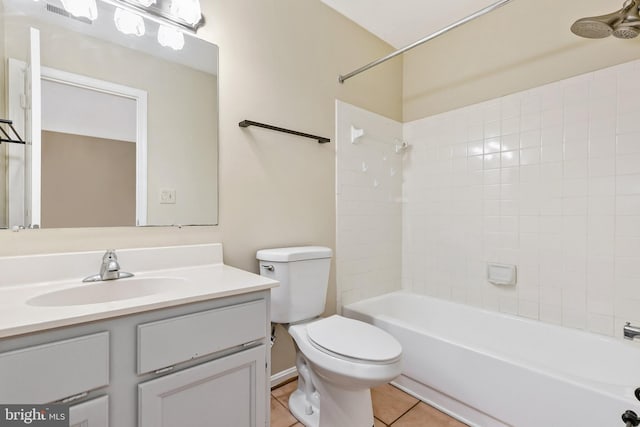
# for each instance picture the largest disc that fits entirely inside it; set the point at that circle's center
(176, 160)
(279, 62)
(522, 45)
(87, 181)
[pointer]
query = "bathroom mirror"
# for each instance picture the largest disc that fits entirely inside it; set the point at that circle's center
(121, 130)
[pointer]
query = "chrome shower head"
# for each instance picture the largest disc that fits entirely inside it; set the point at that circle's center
(629, 27)
(599, 27)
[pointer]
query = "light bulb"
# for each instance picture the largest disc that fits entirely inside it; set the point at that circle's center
(81, 8)
(187, 10)
(170, 37)
(128, 22)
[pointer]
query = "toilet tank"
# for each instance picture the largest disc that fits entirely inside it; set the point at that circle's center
(303, 273)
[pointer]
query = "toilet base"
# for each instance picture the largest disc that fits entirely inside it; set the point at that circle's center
(298, 404)
(338, 407)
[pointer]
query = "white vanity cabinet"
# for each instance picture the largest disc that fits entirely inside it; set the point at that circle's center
(198, 364)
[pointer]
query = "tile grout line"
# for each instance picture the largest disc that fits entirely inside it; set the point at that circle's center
(405, 412)
(287, 409)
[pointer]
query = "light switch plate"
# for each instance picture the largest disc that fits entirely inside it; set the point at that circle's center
(167, 196)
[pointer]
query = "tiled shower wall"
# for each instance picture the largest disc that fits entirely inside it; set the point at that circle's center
(547, 179)
(369, 205)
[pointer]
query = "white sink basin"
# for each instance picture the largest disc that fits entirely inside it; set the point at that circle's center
(108, 291)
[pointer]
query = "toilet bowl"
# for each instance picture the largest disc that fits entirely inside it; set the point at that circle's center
(338, 359)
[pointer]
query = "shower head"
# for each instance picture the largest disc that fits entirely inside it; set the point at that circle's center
(599, 27)
(629, 27)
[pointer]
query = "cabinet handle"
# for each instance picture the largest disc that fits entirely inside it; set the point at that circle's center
(75, 397)
(163, 370)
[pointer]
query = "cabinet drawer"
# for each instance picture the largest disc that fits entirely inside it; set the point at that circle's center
(179, 339)
(53, 371)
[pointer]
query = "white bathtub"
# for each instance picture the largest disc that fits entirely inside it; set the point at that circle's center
(488, 369)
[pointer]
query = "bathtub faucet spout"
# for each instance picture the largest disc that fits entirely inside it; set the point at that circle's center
(630, 332)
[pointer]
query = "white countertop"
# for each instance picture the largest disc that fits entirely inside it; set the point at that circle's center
(200, 282)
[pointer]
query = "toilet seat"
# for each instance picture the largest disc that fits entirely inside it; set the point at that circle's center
(353, 340)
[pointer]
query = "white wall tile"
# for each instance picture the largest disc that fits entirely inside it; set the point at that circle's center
(576, 131)
(530, 139)
(551, 314)
(598, 166)
(600, 324)
(368, 207)
(510, 142)
(628, 184)
(628, 122)
(551, 183)
(552, 136)
(602, 186)
(575, 205)
(579, 168)
(530, 156)
(627, 226)
(576, 149)
(628, 164)
(575, 187)
(628, 143)
(628, 205)
(551, 153)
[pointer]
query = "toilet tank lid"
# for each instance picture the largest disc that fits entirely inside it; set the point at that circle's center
(298, 253)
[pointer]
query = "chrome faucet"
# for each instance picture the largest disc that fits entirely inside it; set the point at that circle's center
(630, 332)
(109, 269)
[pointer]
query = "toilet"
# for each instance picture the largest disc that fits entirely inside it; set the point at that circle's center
(338, 359)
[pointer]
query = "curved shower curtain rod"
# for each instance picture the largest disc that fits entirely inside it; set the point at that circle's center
(432, 36)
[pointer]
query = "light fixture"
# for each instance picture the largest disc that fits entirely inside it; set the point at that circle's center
(187, 10)
(170, 37)
(81, 8)
(128, 22)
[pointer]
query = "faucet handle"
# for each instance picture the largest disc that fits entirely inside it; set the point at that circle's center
(110, 254)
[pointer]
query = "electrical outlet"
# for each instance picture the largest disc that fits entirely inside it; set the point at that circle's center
(167, 196)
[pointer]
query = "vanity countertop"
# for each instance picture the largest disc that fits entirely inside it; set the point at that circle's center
(208, 279)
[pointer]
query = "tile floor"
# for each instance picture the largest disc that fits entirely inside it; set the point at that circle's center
(391, 407)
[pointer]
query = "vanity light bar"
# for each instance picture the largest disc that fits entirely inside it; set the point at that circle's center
(158, 14)
(6, 137)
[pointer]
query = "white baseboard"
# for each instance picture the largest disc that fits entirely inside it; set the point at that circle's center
(283, 376)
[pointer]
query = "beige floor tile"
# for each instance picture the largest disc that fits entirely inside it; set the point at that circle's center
(283, 392)
(389, 403)
(423, 415)
(378, 423)
(280, 416)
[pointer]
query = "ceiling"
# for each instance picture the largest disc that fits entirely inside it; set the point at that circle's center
(402, 22)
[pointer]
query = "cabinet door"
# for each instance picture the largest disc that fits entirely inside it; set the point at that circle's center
(92, 413)
(226, 392)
